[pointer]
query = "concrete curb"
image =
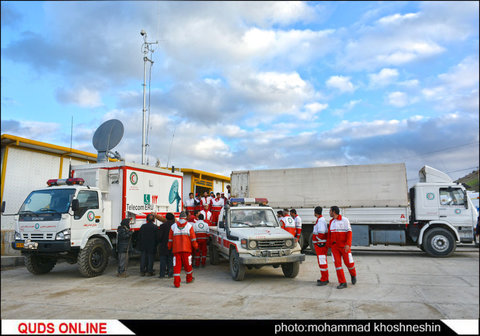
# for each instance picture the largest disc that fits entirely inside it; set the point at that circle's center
(12, 261)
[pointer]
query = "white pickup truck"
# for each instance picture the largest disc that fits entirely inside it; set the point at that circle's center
(249, 235)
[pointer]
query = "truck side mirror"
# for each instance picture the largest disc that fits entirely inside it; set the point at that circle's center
(221, 225)
(465, 199)
(3, 206)
(75, 205)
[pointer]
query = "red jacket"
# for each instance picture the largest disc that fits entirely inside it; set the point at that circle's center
(182, 237)
(339, 232)
(288, 224)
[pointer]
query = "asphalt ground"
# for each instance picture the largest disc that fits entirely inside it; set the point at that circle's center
(392, 283)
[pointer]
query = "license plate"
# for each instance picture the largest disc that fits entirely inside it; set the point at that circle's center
(19, 245)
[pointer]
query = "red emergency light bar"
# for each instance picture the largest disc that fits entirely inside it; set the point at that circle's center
(70, 181)
(261, 201)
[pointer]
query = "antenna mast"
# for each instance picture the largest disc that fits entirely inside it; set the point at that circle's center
(146, 49)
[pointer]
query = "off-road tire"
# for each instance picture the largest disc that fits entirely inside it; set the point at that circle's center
(237, 269)
(93, 258)
(291, 270)
(439, 242)
(214, 256)
(39, 264)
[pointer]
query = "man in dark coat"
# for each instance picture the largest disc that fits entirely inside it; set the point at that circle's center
(147, 244)
(123, 242)
(166, 255)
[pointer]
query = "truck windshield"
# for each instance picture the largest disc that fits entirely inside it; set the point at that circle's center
(48, 201)
(252, 218)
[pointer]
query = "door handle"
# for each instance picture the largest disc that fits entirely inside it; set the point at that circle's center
(443, 216)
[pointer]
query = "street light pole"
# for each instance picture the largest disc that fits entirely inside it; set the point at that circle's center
(146, 50)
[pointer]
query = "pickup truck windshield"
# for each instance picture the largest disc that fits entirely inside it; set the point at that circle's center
(252, 218)
(47, 201)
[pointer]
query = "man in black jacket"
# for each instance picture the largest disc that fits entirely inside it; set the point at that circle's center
(166, 256)
(147, 244)
(123, 242)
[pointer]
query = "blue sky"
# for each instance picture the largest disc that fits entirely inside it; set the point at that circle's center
(250, 85)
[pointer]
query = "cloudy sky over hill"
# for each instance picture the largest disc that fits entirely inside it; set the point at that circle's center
(250, 85)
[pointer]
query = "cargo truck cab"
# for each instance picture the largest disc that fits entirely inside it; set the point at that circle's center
(63, 221)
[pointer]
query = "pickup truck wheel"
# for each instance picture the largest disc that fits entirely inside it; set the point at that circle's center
(214, 257)
(439, 242)
(39, 264)
(237, 269)
(291, 270)
(93, 258)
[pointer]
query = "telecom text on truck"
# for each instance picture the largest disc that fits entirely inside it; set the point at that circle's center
(248, 234)
(76, 219)
(435, 214)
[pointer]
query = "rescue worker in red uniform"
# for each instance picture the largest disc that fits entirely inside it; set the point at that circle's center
(340, 241)
(181, 239)
(217, 205)
(198, 203)
(319, 239)
(202, 233)
(298, 223)
(206, 200)
(288, 223)
(207, 215)
(190, 204)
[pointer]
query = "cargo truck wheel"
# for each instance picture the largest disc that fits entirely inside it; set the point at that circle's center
(237, 269)
(439, 242)
(214, 257)
(39, 264)
(93, 259)
(291, 270)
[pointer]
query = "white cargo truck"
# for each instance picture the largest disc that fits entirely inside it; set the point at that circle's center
(435, 214)
(76, 219)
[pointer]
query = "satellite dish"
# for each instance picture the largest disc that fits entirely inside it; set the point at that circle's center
(106, 137)
(173, 195)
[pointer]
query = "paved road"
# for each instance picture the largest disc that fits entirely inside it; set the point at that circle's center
(401, 283)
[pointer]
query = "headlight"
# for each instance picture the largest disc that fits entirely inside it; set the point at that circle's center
(17, 236)
(63, 235)
(289, 243)
(252, 244)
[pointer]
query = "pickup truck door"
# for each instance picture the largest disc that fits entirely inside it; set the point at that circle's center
(222, 235)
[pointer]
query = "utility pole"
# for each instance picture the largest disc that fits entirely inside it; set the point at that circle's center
(146, 49)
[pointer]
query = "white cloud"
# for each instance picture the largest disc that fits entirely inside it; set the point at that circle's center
(398, 99)
(341, 83)
(385, 77)
(81, 96)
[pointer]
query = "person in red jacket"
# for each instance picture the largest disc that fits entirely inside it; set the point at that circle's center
(319, 239)
(202, 233)
(217, 205)
(340, 241)
(288, 223)
(181, 239)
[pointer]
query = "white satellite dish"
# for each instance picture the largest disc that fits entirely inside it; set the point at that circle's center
(106, 137)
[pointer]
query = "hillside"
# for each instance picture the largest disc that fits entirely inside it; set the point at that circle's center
(471, 180)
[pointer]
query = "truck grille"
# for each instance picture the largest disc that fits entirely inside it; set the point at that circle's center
(38, 236)
(270, 244)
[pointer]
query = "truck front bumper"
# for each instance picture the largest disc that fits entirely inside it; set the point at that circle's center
(252, 260)
(42, 246)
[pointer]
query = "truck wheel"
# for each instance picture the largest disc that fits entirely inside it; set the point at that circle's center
(39, 264)
(237, 269)
(439, 242)
(214, 257)
(93, 258)
(291, 270)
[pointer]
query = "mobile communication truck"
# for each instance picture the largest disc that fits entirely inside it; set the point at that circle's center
(435, 214)
(248, 234)
(76, 219)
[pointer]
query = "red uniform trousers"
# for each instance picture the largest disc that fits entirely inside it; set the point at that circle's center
(201, 254)
(322, 261)
(179, 259)
(337, 254)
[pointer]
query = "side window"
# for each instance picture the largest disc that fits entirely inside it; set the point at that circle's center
(450, 196)
(86, 200)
